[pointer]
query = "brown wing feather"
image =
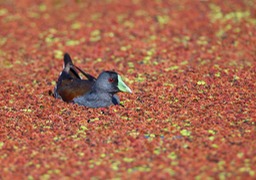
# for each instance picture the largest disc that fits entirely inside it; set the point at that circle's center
(72, 88)
(70, 84)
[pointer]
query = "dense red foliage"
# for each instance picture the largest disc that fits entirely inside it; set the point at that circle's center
(190, 64)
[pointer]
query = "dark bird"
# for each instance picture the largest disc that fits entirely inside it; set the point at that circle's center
(90, 92)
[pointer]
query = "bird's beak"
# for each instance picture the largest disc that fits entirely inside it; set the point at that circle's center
(122, 86)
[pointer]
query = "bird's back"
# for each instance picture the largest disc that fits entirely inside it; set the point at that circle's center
(70, 85)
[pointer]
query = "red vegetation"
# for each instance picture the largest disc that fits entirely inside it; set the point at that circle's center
(190, 64)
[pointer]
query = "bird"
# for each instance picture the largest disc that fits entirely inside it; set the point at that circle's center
(90, 92)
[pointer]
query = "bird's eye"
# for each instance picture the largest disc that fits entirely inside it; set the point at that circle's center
(110, 80)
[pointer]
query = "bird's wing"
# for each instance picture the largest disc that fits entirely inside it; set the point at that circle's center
(70, 84)
(70, 89)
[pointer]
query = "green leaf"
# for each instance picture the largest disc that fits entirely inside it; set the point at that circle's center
(185, 132)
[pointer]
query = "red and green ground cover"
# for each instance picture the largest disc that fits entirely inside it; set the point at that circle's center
(190, 64)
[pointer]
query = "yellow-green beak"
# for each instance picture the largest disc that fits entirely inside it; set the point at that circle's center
(122, 86)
